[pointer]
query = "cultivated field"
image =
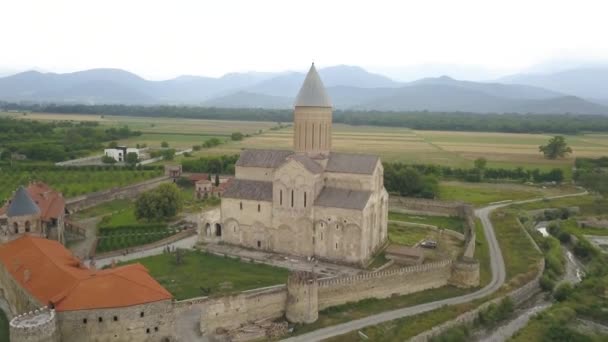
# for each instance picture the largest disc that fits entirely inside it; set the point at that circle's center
(457, 149)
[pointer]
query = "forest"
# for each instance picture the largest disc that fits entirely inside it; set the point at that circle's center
(421, 120)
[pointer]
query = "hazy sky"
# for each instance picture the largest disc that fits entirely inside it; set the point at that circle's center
(162, 39)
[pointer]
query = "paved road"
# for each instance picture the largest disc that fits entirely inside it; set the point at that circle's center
(498, 279)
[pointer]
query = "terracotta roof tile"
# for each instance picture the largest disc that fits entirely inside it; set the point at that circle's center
(50, 273)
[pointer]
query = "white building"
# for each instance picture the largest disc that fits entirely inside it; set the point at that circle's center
(120, 152)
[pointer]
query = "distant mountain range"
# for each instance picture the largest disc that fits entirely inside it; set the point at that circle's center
(581, 91)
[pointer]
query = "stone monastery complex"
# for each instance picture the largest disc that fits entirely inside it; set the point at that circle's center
(309, 202)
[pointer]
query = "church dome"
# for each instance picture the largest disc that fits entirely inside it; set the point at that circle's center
(312, 93)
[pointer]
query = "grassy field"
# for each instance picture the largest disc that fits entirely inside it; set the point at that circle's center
(458, 149)
(204, 271)
(404, 328)
(479, 194)
(482, 253)
(518, 251)
(407, 236)
(451, 222)
(73, 182)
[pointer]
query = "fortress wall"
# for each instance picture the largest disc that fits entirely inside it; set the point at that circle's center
(383, 284)
(119, 324)
(131, 191)
(230, 312)
(18, 299)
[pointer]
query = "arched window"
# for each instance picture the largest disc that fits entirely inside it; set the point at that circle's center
(241, 205)
(259, 208)
(16, 227)
(27, 226)
(292, 198)
(280, 197)
(304, 199)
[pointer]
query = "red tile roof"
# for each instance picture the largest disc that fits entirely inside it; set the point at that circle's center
(50, 202)
(195, 177)
(50, 273)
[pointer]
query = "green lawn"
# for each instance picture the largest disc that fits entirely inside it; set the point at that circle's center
(518, 251)
(451, 222)
(123, 217)
(4, 332)
(408, 236)
(588, 205)
(103, 209)
(73, 182)
(480, 194)
(482, 254)
(218, 274)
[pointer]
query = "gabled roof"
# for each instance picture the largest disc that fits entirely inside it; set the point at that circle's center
(342, 198)
(312, 93)
(22, 204)
(263, 158)
(51, 274)
(307, 162)
(351, 163)
(249, 190)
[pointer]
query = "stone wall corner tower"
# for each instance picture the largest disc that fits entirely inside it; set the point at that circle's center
(312, 118)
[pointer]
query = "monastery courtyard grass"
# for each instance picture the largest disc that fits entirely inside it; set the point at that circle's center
(206, 271)
(445, 222)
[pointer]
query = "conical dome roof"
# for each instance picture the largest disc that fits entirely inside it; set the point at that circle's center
(22, 204)
(312, 93)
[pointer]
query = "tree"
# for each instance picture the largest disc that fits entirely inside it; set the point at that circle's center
(108, 160)
(236, 136)
(112, 144)
(480, 163)
(132, 158)
(555, 148)
(161, 203)
(217, 179)
(164, 144)
(480, 166)
(168, 154)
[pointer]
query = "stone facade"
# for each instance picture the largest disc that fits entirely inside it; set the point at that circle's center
(230, 312)
(35, 326)
(309, 202)
(302, 298)
(146, 322)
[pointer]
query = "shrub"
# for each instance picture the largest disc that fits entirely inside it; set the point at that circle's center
(562, 292)
(546, 283)
(236, 136)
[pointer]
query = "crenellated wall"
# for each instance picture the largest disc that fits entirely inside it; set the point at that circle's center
(383, 284)
(230, 312)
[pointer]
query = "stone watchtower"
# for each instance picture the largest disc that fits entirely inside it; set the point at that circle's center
(36, 326)
(312, 118)
(302, 297)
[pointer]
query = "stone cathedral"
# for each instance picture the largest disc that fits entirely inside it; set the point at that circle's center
(309, 202)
